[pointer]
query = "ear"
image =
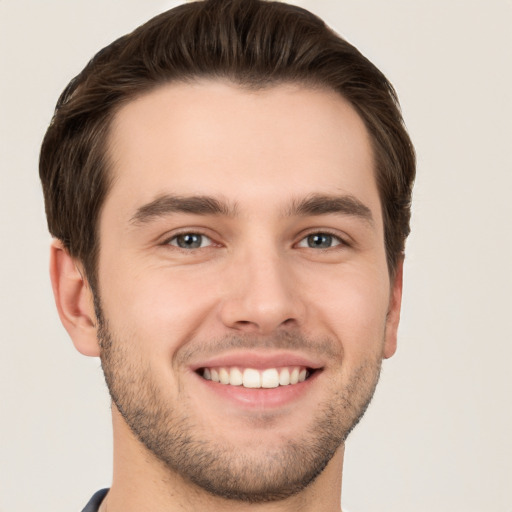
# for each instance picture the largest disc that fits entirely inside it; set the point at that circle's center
(74, 300)
(393, 316)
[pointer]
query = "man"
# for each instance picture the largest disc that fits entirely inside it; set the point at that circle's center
(229, 191)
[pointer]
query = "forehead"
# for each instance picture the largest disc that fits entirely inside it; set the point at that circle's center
(218, 139)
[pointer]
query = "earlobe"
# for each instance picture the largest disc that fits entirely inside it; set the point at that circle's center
(74, 300)
(393, 316)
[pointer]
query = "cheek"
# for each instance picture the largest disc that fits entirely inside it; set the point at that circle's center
(157, 308)
(353, 305)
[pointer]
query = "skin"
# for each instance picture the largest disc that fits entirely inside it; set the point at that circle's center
(254, 283)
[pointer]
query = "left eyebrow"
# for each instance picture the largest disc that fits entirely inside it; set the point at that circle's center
(320, 204)
(167, 204)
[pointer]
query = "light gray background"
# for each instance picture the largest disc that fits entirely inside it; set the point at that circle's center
(437, 437)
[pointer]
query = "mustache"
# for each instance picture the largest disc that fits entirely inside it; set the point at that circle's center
(323, 347)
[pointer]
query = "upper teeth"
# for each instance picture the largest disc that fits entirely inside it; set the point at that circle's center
(252, 378)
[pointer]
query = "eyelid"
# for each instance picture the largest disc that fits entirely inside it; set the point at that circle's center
(342, 240)
(166, 241)
(204, 238)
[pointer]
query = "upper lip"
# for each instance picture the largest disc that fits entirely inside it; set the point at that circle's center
(259, 360)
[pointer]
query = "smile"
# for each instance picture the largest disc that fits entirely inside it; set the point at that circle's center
(254, 379)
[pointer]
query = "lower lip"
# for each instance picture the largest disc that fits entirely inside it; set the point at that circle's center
(261, 398)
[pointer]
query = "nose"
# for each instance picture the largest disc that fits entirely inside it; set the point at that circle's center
(261, 295)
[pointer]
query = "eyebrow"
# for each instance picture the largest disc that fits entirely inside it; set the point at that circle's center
(315, 204)
(320, 204)
(168, 204)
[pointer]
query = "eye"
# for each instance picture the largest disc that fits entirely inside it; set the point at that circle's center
(320, 241)
(190, 241)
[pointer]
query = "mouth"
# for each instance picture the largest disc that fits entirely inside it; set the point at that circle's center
(258, 380)
(253, 378)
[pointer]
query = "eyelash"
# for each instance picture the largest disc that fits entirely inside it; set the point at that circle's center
(340, 242)
(190, 233)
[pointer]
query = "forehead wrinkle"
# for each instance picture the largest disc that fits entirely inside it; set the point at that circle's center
(324, 204)
(168, 204)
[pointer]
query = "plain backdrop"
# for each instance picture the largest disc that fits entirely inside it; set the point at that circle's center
(437, 437)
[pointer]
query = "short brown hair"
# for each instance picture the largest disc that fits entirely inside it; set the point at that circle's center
(253, 43)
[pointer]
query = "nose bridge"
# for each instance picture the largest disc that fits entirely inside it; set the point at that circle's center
(261, 294)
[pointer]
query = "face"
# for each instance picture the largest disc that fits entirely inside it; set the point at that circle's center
(245, 299)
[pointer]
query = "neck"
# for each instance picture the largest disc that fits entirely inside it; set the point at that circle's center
(141, 482)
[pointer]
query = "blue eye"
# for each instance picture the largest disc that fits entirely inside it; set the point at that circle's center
(320, 241)
(190, 241)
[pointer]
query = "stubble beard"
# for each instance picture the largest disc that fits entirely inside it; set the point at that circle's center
(256, 475)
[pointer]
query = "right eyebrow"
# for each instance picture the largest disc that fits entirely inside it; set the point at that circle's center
(168, 204)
